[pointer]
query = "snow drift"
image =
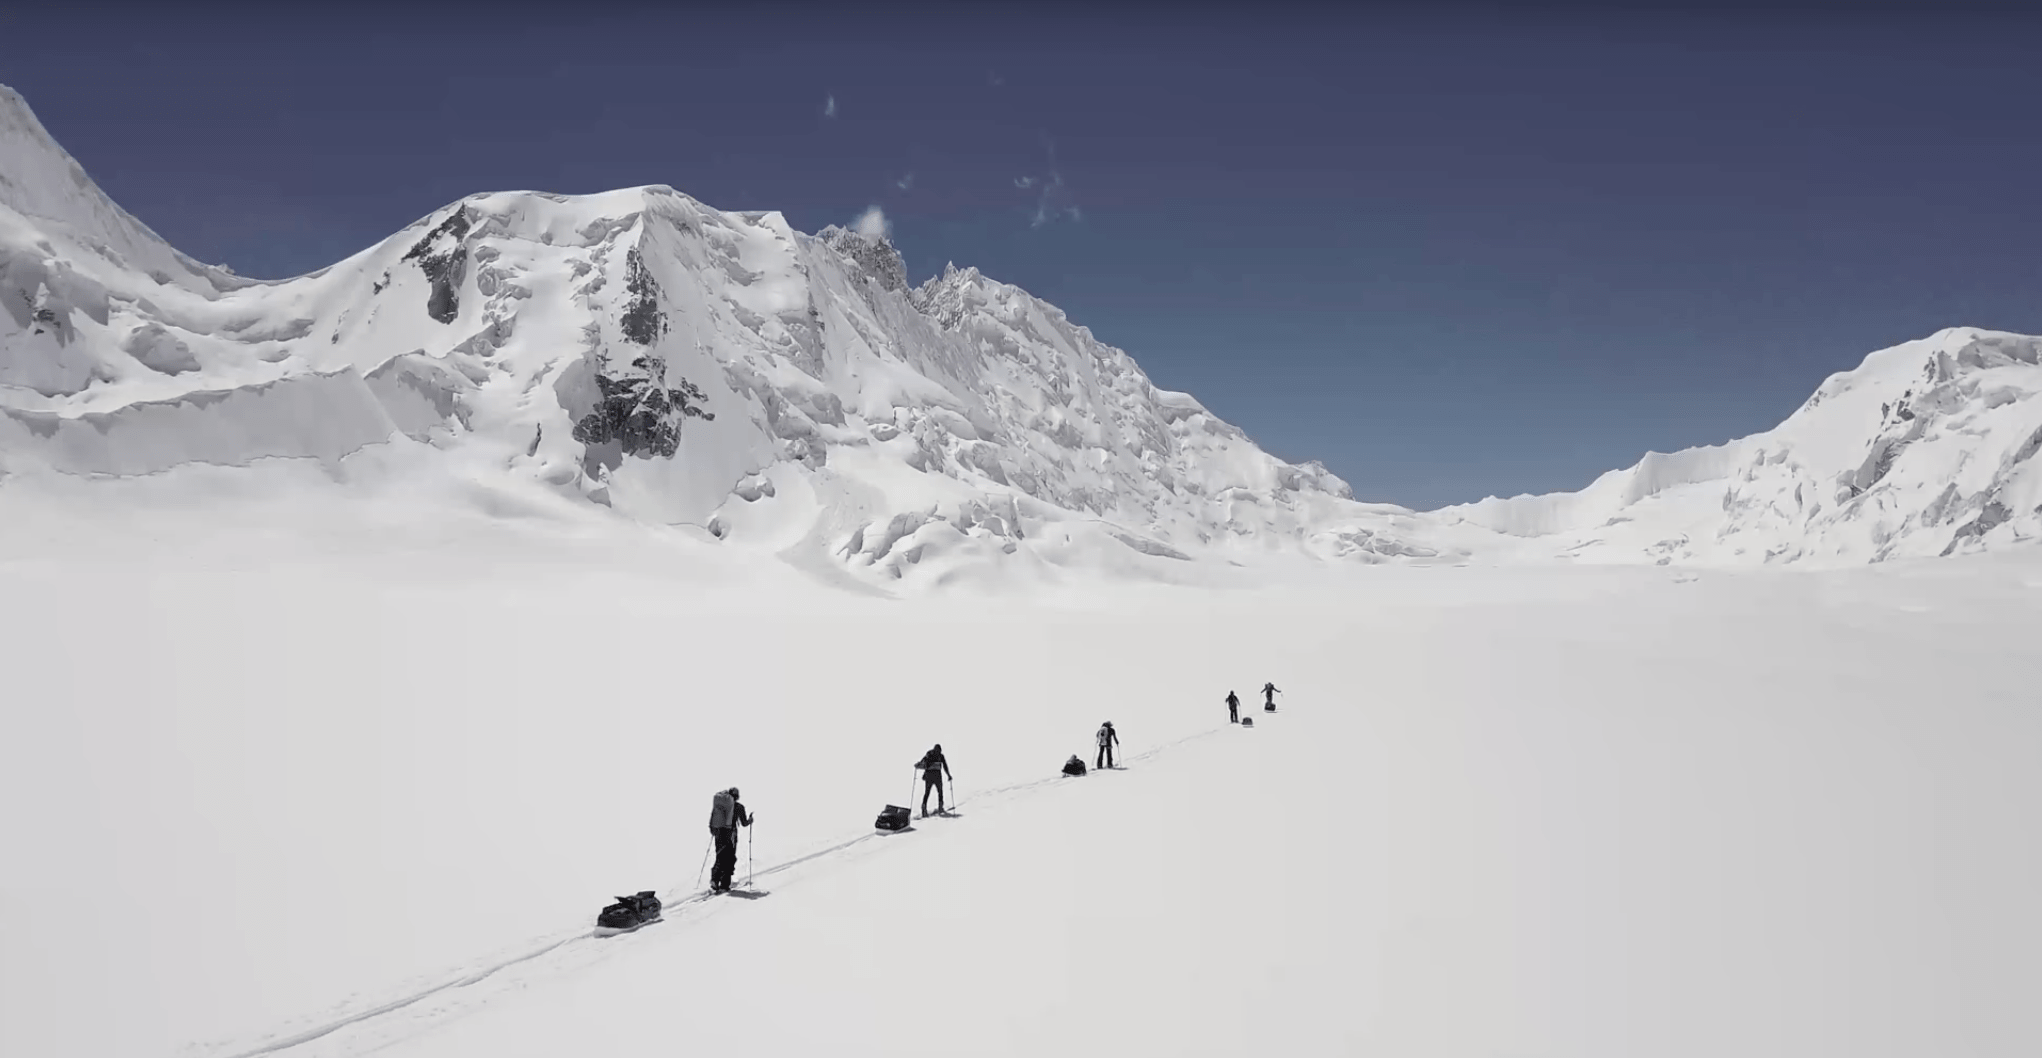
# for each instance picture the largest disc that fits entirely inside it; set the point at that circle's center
(794, 393)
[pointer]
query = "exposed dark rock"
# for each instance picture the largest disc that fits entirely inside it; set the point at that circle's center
(875, 258)
(639, 413)
(444, 260)
(643, 322)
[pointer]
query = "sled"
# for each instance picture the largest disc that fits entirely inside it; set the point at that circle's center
(629, 913)
(892, 817)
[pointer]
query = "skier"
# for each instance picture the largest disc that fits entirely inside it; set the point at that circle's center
(1233, 708)
(726, 814)
(1106, 737)
(934, 770)
(1269, 693)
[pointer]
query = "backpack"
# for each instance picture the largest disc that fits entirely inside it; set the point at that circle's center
(722, 810)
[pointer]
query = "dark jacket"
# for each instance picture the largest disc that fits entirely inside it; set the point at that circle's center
(933, 764)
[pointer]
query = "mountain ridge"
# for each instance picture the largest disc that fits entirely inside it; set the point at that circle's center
(688, 366)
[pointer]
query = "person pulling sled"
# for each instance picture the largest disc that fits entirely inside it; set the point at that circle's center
(1233, 708)
(1107, 738)
(935, 768)
(1269, 693)
(726, 814)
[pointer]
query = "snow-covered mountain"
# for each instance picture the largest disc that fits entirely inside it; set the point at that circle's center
(1927, 448)
(680, 364)
(688, 366)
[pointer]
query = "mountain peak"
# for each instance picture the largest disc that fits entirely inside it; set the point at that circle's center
(43, 183)
(873, 254)
(688, 366)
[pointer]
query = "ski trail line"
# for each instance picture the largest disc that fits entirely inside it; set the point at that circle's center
(674, 901)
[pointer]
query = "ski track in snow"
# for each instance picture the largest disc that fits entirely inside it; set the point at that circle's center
(371, 1029)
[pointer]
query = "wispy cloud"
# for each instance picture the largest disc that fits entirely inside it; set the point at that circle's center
(829, 106)
(905, 182)
(1052, 198)
(1049, 204)
(873, 223)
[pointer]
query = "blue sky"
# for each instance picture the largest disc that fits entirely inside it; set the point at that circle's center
(1450, 255)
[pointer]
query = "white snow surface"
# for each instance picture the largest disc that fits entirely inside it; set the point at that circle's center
(872, 432)
(327, 777)
(344, 684)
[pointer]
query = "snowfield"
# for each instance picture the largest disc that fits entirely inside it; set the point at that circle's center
(362, 634)
(269, 765)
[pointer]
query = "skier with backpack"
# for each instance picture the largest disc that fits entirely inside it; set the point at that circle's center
(1233, 708)
(726, 814)
(1107, 738)
(1269, 693)
(935, 768)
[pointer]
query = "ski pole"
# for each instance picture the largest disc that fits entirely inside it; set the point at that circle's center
(912, 776)
(705, 861)
(748, 860)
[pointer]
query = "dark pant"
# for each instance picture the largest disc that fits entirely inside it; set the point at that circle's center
(932, 781)
(1105, 756)
(1233, 712)
(726, 857)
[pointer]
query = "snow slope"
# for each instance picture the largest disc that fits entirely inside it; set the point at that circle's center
(270, 764)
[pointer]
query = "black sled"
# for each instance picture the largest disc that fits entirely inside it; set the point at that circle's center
(892, 817)
(1074, 766)
(628, 913)
(1247, 721)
